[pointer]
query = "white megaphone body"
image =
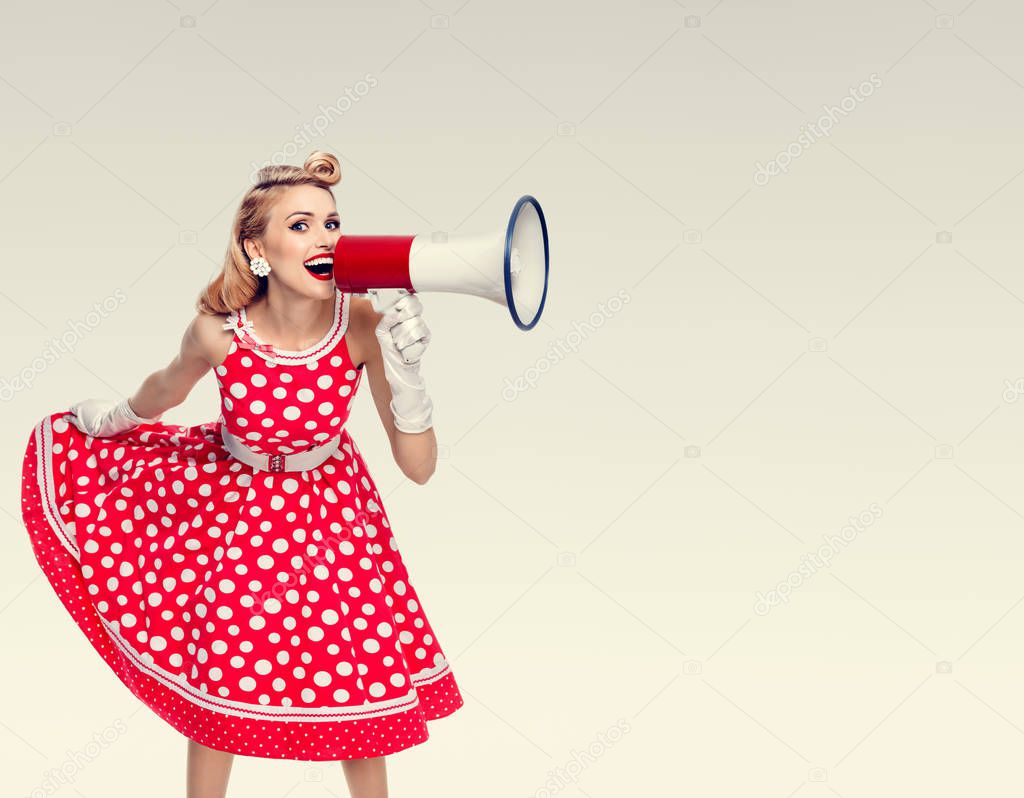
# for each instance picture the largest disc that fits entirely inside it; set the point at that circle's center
(509, 267)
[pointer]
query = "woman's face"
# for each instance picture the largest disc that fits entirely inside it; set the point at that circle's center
(303, 224)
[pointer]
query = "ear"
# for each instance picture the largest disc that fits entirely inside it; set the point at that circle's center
(251, 248)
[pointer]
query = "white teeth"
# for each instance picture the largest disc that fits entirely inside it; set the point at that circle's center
(320, 261)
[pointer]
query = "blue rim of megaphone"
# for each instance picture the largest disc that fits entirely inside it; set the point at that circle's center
(509, 301)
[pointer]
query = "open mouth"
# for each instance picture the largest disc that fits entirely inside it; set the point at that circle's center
(321, 267)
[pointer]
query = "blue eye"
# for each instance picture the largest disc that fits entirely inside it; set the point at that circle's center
(330, 221)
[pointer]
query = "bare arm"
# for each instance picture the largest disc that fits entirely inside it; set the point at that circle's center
(170, 386)
(414, 453)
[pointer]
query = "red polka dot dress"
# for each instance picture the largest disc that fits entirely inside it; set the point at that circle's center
(260, 611)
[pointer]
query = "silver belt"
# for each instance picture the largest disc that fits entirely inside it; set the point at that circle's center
(299, 461)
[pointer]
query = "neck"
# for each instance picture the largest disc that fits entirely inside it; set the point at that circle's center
(292, 321)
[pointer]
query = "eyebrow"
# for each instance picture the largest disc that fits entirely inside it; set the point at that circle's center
(309, 213)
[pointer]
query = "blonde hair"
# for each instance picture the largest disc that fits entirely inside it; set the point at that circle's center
(236, 286)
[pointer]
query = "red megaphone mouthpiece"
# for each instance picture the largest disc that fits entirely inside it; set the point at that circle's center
(365, 262)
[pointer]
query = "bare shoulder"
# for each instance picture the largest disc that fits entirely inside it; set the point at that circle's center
(362, 319)
(209, 338)
(361, 311)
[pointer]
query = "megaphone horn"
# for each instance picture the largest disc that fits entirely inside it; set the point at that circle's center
(509, 267)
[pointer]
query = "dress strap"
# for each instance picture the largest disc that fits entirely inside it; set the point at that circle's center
(244, 331)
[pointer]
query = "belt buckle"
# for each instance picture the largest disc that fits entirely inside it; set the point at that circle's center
(276, 462)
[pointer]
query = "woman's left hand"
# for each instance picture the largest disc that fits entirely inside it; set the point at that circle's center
(403, 318)
(403, 337)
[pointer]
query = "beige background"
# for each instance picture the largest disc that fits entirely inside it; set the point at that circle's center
(839, 342)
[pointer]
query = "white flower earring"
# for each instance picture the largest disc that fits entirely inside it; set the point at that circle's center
(259, 267)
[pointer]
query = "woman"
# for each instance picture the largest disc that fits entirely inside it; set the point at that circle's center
(240, 576)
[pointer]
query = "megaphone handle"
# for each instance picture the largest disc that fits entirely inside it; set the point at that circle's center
(383, 298)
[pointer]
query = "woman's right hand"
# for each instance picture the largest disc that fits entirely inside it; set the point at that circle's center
(102, 417)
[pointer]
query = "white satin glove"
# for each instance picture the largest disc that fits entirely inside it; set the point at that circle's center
(103, 417)
(403, 337)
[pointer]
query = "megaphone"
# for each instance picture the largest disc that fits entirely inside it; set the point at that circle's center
(509, 267)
